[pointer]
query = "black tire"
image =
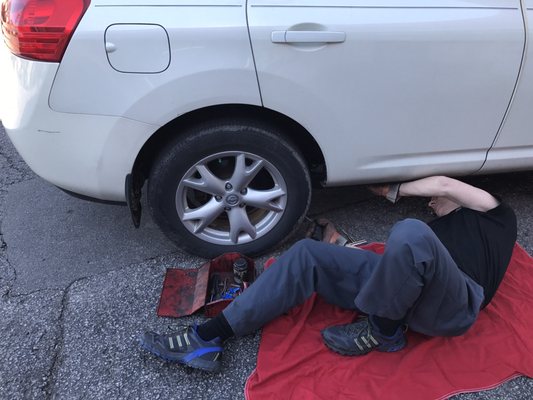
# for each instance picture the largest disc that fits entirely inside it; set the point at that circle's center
(226, 153)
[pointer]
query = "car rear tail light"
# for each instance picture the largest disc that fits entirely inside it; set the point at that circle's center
(40, 29)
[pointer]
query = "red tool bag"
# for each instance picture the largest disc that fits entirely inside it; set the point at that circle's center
(185, 291)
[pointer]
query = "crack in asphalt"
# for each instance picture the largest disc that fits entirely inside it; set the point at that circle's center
(16, 171)
(7, 281)
(51, 377)
(7, 278)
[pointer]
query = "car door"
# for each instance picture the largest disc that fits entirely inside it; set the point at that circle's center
(390, 88)
(513, 148)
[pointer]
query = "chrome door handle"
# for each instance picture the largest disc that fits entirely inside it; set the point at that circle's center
(308, 37)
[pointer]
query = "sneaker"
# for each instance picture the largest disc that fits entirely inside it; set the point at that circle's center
(185, 347)
(360, 338)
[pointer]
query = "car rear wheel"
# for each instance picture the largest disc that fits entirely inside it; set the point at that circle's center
(229, 186)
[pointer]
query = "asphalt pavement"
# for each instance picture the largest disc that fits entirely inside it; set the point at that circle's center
(78, 285)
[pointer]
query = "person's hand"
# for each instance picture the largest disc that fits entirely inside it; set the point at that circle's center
(391, 191)
(380, 190)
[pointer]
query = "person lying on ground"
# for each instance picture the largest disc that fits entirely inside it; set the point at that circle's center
(434, 278)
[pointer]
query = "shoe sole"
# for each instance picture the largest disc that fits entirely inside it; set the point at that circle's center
(204, 366)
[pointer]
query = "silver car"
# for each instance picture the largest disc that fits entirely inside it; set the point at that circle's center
(230, 109)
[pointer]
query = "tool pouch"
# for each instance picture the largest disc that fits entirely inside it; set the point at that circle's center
(186, 291)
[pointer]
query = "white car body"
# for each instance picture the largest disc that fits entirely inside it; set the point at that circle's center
(387, 89)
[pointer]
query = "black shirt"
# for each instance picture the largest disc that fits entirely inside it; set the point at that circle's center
(480, 243)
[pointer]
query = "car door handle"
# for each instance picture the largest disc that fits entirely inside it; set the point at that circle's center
(308, 37)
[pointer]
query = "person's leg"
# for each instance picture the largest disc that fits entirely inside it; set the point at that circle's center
(417, 279)
(336, 273)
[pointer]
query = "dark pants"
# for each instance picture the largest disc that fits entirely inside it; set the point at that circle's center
(415, 279)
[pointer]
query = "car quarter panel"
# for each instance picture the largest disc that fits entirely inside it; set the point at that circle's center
(210, 60)
(513, 149)
(86, 154)
(416, 87)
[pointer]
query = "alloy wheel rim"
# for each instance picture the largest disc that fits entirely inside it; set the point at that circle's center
(231, 198)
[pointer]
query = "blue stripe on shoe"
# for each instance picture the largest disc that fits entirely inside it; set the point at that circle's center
(200, 352)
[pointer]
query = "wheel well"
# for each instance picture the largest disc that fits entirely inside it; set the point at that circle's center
(291, 130)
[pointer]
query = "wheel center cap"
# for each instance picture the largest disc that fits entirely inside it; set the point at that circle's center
(232, 200)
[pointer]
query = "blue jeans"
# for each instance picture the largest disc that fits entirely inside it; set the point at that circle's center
(415, 279)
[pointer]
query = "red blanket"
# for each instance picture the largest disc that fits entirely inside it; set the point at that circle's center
(294, 364)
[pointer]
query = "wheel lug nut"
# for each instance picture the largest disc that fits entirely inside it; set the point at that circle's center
(227, 208)
(242, 205)
(218, 198)
(244, 191)
(229, 186)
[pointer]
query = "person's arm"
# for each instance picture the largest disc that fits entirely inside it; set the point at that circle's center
(441, 186)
